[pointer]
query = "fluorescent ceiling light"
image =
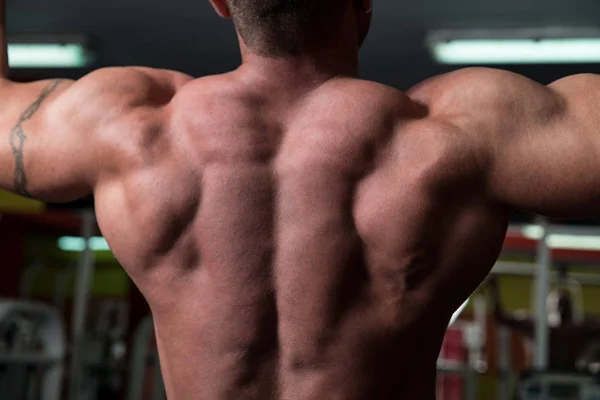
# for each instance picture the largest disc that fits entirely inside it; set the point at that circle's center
(517, 51)
(47, 55)
(546, 45)
(74, 243)
(563, 241)
(535, 232)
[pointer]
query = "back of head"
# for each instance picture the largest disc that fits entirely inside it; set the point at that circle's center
(560, 307)
(285, 27)
(565, 307)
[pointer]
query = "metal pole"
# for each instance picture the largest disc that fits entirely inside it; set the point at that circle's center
(544, 261)
(504, 362)
(138, 360)
(61, 286)
(480, 311)
(529, 269)
(85, 273)
(29, 276)
(470, 384)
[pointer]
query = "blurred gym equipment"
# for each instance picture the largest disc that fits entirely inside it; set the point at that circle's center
(144, 357)
(542, 383)
(32, 351)
(103, 363)
(560, 281)
(471, 336)
(558, 386)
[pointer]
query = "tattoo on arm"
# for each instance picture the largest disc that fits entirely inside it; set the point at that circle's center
(18, 137)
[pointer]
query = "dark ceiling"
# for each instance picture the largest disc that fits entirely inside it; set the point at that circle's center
(187, 35)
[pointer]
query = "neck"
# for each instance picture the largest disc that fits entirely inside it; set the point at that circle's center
(305, 70)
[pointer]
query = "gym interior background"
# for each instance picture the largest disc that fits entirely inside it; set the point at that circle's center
(73, 326)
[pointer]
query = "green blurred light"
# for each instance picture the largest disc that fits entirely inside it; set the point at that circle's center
(47, 55)
(517, 51)
(74, 243)
(99, 244)
(70, 243)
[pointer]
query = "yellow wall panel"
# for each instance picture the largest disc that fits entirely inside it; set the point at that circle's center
(11, 202)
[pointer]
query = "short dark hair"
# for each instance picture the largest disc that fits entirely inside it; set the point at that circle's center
(285, 27)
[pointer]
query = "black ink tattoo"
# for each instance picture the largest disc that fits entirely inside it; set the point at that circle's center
(17, 139)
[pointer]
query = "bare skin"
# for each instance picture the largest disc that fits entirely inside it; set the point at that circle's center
(569, 339)
(299, 233)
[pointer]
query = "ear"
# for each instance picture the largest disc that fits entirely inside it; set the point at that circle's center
(221, 8)
(363, 13)
(367, 6)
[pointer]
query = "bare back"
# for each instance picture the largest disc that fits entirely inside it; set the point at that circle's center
(308, 249)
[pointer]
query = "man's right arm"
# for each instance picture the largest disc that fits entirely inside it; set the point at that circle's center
(50, 130)
(537, 147)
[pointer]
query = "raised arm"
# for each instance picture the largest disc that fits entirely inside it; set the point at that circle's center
(51, 131)
(522, 325)
(547, 159)
(538, 147)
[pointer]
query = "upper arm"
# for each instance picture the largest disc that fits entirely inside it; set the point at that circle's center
(50, 130)
(513, 321)
(538, 146)
(522, 325)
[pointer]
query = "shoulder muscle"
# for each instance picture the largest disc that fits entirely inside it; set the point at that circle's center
(485, 93)
(121, 87)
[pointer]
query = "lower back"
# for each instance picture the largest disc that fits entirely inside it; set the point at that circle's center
(206, 355)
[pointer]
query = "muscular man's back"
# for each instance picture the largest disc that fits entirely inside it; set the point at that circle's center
(300, 234)
(309, 246)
